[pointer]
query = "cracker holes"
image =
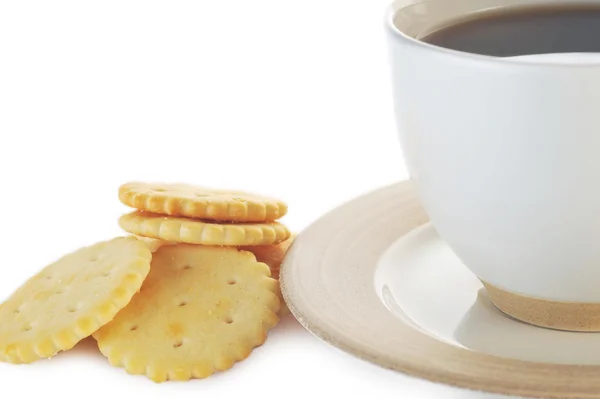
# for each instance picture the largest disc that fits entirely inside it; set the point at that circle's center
(27, 328)
(187, 267)
(228, 320)
(17, 311)
(178, 344)
(75, 308)
(133, 328)
(231, 281)
(182, 304)
(59, 291)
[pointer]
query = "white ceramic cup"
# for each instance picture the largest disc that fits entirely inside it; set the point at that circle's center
(505, 155)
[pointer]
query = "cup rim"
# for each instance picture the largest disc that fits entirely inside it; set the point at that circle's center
(399, 5)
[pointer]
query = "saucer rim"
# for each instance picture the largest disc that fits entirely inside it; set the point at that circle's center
(396, 211)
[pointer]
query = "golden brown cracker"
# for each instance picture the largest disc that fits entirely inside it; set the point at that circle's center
(200, 310)
(193, 231)
(71, 298)
(189, 201)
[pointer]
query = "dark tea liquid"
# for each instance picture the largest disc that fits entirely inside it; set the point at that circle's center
(517, 31)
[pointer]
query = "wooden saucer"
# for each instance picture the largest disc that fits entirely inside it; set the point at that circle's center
(374, 279)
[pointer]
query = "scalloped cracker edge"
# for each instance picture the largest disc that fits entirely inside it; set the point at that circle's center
(273, 256)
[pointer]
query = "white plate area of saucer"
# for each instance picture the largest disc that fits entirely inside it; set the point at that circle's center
(421, 280)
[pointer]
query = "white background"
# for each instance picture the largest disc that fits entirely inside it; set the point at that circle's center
(285, 98)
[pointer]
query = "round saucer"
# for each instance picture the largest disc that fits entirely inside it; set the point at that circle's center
(374, 279)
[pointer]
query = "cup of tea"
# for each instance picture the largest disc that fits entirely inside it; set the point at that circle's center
(497, 106)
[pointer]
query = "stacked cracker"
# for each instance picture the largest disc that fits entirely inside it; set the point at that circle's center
(168, 214)
(190, 295)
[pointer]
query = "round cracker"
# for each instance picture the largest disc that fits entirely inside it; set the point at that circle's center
(192, 231)
(199, 202)
(273, 256)
(200, 310)
(71, 298)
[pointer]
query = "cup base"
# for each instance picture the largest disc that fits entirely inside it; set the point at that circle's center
(567, 316)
